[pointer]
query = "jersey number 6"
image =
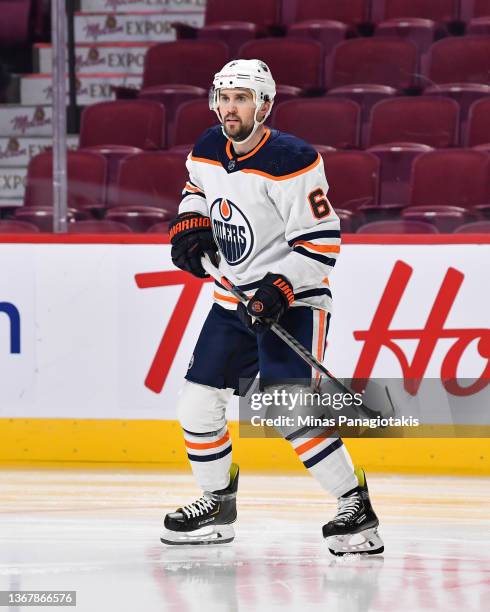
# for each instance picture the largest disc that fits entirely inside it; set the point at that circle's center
(320, 206)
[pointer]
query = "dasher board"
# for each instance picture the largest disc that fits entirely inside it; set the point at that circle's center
(131, 27)
(19, 151)
(122, 6)
(115, 58)
(91, 88)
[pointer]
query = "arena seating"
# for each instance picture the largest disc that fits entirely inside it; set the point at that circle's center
(429, 120)
(478, 131)
(388, 91)
(378, 61)
(135, 123)
(296, 62)
(398, 227)
(325, 121)
(92, 226)
(17, 227)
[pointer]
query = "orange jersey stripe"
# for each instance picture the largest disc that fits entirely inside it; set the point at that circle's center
(320, 248)
(205, 161)
(225, 298)
(205, 445)
(286, 176)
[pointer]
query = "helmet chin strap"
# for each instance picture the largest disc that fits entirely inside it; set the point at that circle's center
(256, 125)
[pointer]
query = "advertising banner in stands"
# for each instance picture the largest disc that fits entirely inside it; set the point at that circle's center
(16, 120)
(122, 6)
(131, 27)
(107, 330)
(38, 88)
(12, 185)
(111, 58)
(19, 151)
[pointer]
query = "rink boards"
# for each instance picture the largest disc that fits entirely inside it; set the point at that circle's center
(95, 340)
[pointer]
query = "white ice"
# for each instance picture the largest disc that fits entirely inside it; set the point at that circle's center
(98, 533)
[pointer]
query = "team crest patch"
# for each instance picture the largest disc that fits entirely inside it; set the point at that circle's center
(232, 231)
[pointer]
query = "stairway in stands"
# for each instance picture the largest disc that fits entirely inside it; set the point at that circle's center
(112, 37)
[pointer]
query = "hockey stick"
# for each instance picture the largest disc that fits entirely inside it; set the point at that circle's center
(290, 340)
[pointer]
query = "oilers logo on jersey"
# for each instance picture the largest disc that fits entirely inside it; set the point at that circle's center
(232, 231)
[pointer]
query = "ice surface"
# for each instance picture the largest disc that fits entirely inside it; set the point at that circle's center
(98, 533)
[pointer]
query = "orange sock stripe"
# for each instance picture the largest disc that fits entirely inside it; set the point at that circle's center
(306, 446)
(206, 445)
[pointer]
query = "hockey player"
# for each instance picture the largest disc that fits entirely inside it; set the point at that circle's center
(256, 199)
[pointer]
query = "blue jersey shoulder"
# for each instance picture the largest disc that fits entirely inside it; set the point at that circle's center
(284, 154)
(210, 143)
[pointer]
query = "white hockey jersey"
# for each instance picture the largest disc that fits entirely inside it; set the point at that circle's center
(269, 212)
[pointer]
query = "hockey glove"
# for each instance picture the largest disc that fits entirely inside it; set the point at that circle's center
(271, 300)
(191, 237)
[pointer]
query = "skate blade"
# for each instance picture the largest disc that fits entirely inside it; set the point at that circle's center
(367, 542)
(213, 535)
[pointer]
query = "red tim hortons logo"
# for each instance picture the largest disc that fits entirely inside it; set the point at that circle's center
(380, 335)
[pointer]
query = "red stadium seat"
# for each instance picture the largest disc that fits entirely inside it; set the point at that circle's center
(465, 94)
(87, 175)
(191, 120)
(8, 226)
(113, 154)
(450, 177)
(172, 96)
(353, 178)
(420, 31)
(366, 96)
(15, 23)
(397, 227)
(324, 121)
(422, 119)
(135, 123)
(379, 61)
(233, 33)
(476, 227)
(474, 9)
(184, 62)
(328, 33)
(139, 219)
(445, 218)
(158, 228)
(396, 169)
(348, 220)
(440, 11)
(353, 13)
(235, 22)
(264, 13)
(42, 216)
(479, 26)
(460, 60)
(297, 62)
(478, 132)
(102, 226)
(151, 179)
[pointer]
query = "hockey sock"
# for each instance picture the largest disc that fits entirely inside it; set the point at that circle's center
(327, 460)
(210, 458)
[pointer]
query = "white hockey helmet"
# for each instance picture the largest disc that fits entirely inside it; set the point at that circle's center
(251, 74)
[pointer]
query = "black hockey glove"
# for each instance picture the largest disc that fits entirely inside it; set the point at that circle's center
(271, 300)
(191, 237)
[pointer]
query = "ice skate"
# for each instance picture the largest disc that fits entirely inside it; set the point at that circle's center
(207, 520)
(354, 529)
